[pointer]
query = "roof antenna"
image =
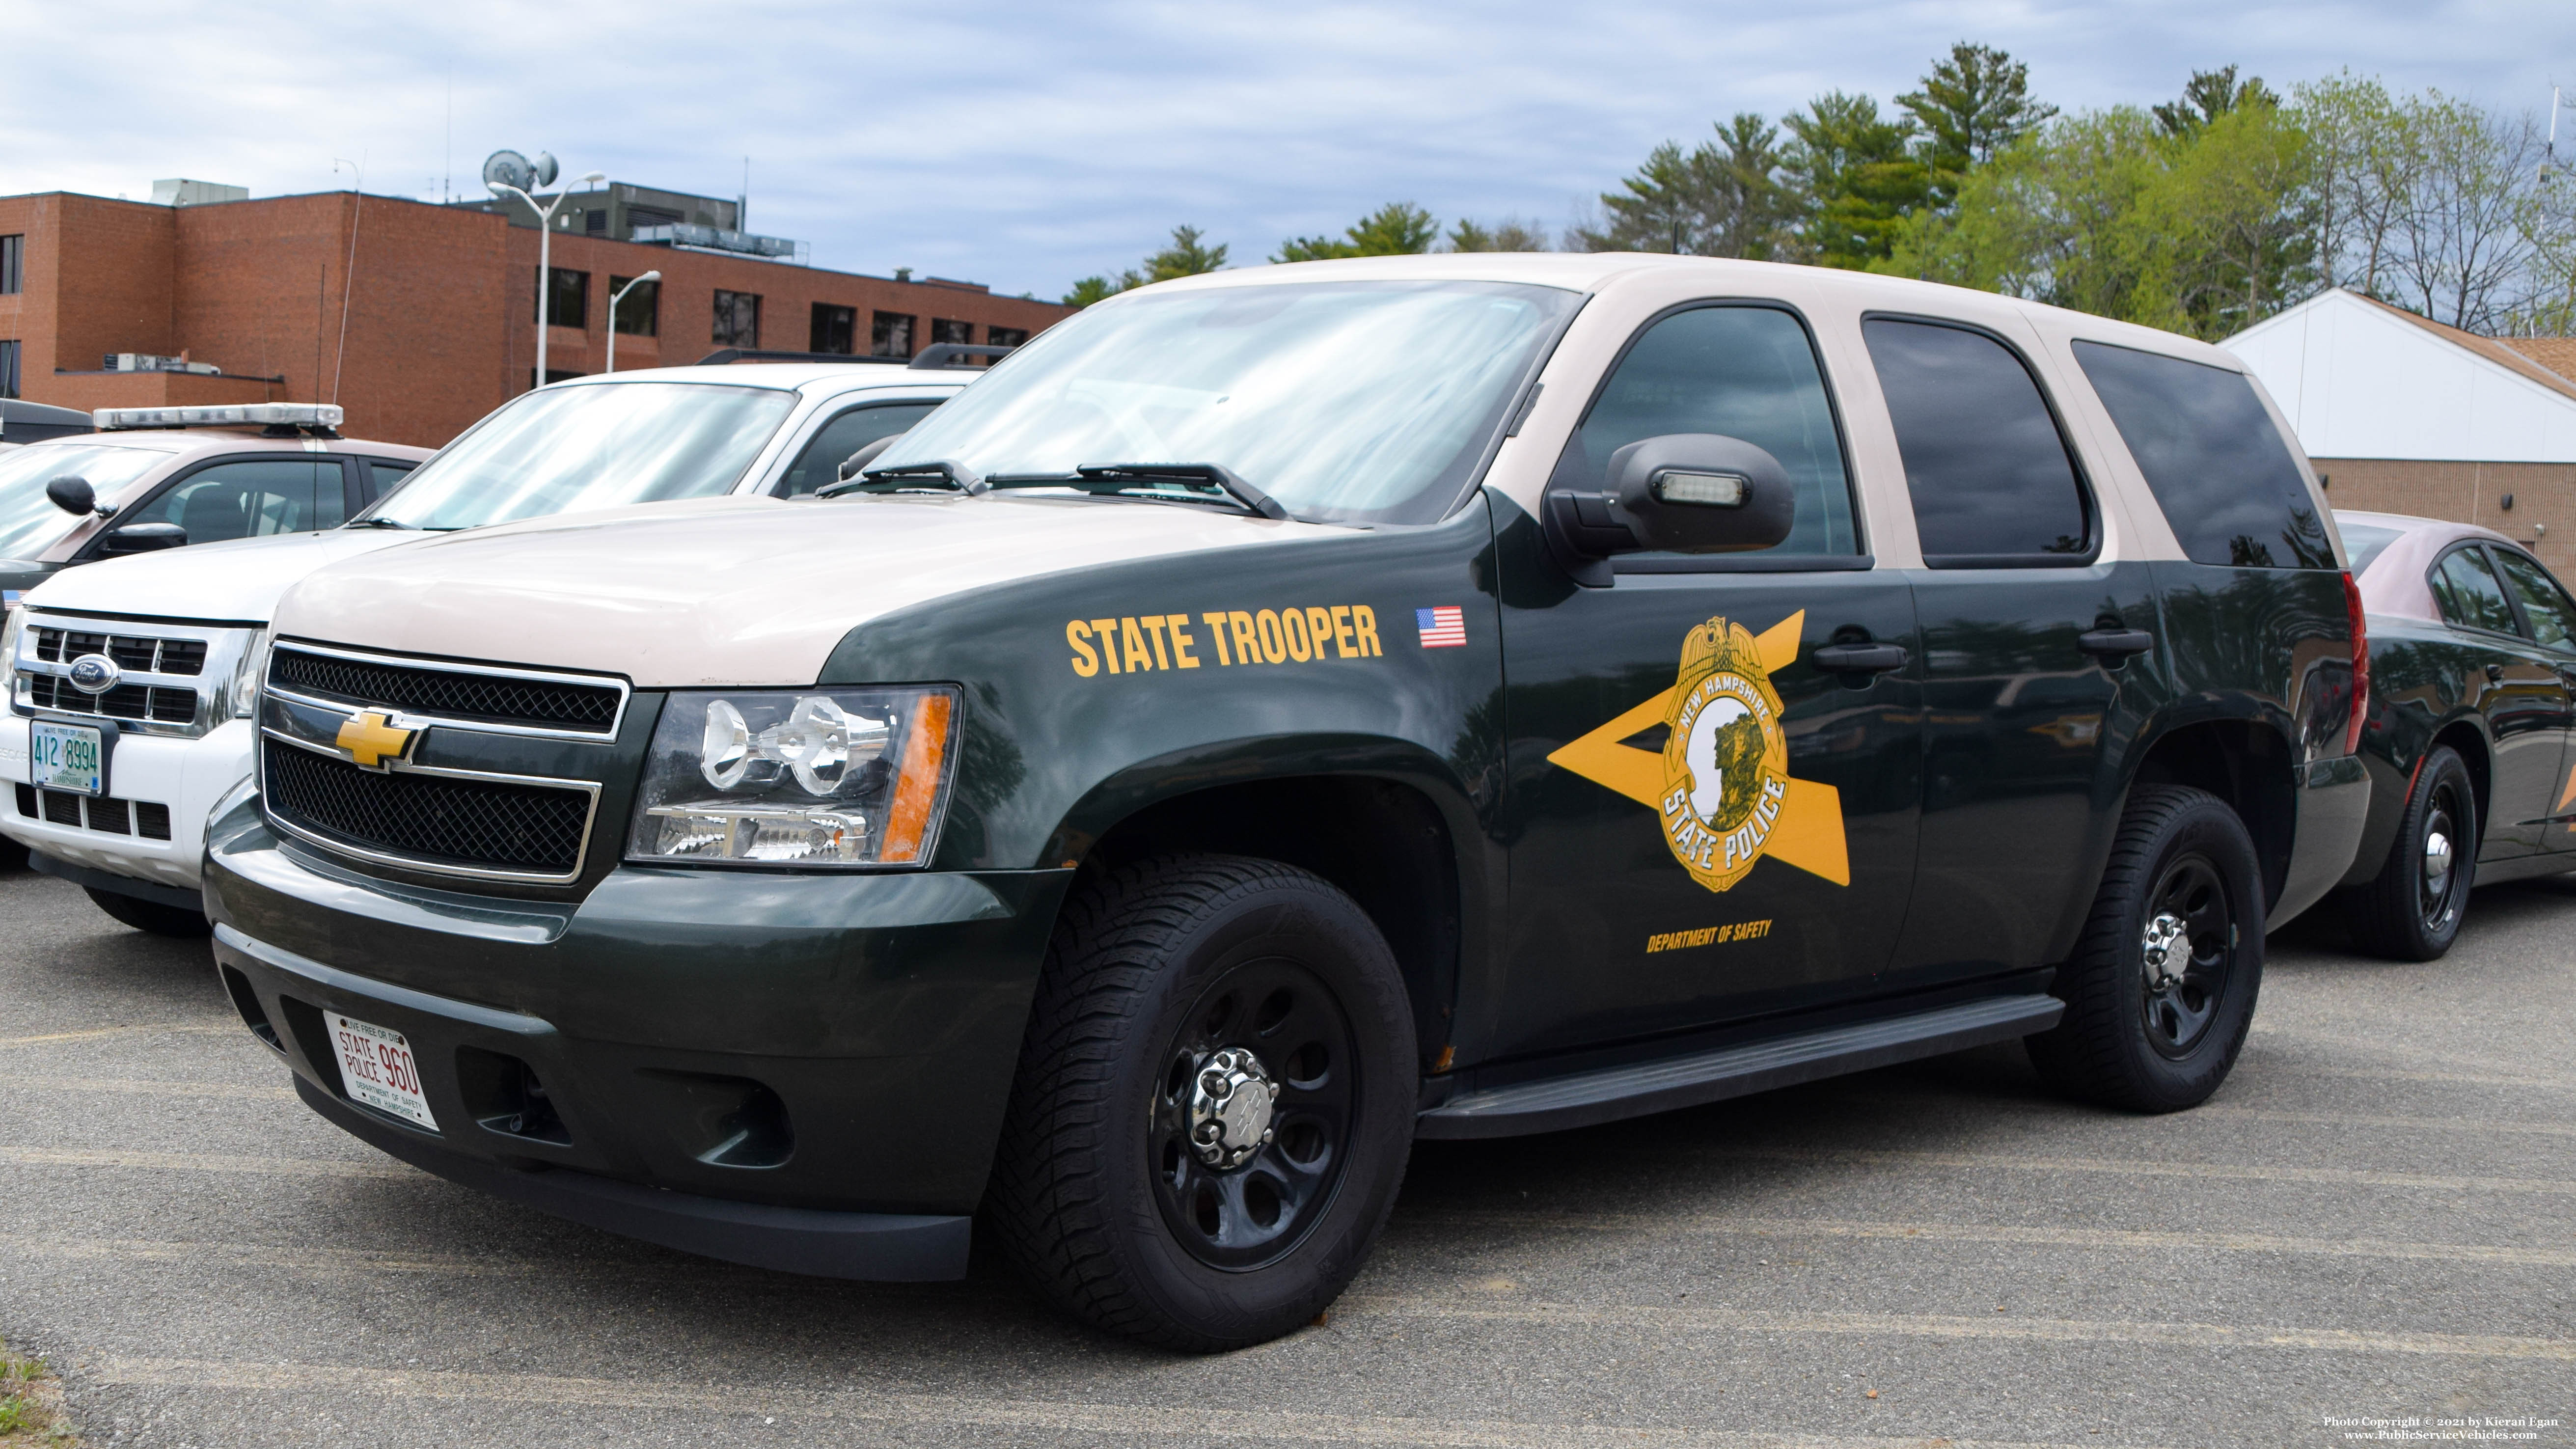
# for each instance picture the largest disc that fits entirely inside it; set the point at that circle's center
(742, 204)
(2549, 155)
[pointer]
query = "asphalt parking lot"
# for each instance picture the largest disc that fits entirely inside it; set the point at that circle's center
(2375, 1220)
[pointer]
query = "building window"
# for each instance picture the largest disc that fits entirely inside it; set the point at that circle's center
(943, 330)
(9, 366)
(567, 295)
(13, 265)
(890, 335)
(835, 328)
(640, 315)
(737, 319)
(1007, 336)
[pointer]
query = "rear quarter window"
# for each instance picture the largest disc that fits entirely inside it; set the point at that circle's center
(2214, 460)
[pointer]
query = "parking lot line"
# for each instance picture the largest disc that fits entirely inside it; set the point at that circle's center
(1930, 1325)
(1721, 1225)
(207, 1162)
(97, 1032)
(1122, 1421)
(139, 1086)
(2136, 1167)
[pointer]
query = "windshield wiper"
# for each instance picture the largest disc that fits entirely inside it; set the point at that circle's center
(1153, 481)
(375, 522)
(946, 472)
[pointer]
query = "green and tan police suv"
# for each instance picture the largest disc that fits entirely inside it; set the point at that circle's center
(1284, 713)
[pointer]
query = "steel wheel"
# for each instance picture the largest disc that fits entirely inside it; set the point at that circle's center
(1250, 1130)
(2187, 947)
(2440, 884)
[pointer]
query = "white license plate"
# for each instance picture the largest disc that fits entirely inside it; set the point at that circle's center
(66, 757)
(377, 1068)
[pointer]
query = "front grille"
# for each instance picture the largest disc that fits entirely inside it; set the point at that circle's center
(147, 818)
(156, 703)
(496, 698)
(485, 824)
(140, 653)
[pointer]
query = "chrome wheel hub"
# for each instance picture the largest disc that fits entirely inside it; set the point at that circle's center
(2437, 859)
(2167, 947)
(1231, 1097)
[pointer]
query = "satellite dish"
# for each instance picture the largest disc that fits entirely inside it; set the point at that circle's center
(509, 168)
(546, 168)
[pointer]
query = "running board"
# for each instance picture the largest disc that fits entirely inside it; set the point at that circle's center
(1609, 1094)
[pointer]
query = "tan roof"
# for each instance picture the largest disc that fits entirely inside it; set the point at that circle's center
(2508, 352)
(2558, 354)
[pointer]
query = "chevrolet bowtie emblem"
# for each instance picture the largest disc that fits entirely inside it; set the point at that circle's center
(371, 740)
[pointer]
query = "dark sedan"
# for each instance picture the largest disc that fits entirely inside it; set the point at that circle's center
(2472, 659)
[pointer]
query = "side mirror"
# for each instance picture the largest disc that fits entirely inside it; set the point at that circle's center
(142, 538)
(1683, 492)
(72, 494)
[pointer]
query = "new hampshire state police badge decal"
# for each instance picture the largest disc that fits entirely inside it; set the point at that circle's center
(1722, 784)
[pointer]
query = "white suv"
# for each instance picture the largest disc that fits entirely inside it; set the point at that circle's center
(130, 681)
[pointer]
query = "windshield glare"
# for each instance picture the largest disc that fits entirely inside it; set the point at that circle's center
(29, 521)
(599, 446)
(1350, 401)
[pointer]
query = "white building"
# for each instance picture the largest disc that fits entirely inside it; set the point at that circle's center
(2406, 415)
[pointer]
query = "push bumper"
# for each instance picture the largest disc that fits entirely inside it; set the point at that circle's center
(104, 841)
(804, 1073)
(2334, 809)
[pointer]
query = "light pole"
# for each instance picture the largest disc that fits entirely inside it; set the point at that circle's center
(545, 252)
(614, 299)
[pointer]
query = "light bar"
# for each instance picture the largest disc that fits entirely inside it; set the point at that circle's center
(299, 415)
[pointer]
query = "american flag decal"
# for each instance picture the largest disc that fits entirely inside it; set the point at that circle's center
(1442, 628)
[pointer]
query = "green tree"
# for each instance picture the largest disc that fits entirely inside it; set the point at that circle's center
(1860, 177)
(1398, 228)
(1511, 234)
(1971, 106)
(1187, 256)
(2210, 94)
(1721, 199)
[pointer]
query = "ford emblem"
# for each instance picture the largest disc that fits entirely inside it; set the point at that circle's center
(95, 674)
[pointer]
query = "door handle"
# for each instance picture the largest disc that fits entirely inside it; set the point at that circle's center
(1858, 658)
(2115, 643)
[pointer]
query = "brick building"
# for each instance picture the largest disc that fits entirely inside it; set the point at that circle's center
(416, 318)
(2401, 414)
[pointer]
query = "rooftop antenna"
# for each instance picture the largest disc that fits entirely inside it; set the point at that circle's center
(742, 204)
(2549, 156)
(447, 155)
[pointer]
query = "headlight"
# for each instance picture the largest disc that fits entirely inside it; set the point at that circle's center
(797, 777)
(12, 621)
(247, 677)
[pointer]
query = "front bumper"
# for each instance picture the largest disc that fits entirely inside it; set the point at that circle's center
(803, 1072)
(187, 777)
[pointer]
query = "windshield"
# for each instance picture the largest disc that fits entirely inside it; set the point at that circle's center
(599, 446)
(2365, 542)
(1353, 401)
(29, 521)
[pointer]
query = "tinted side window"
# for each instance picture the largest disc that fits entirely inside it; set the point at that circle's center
(2469, 594)
(820, 463)
(2552, 616)
(384, 477)
(1989, 473)
(249, 499)
(2217, 465)
(1744, 372)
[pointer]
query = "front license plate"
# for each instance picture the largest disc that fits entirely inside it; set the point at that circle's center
(65, 757)
(377, 1068)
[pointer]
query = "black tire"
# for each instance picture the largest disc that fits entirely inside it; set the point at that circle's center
(2412, 910)
(13, 856)
(2150, 1039)
(153, 916)
(1097, 1193)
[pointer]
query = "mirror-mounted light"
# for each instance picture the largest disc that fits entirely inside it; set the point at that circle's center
(1701, 490)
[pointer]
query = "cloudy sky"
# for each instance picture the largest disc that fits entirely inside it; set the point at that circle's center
(1025, 145)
